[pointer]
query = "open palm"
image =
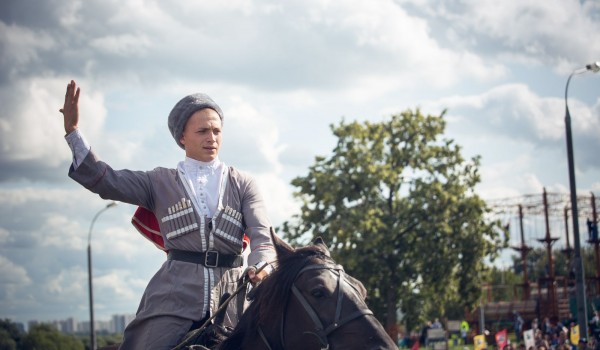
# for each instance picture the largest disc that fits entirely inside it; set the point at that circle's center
(70, 109)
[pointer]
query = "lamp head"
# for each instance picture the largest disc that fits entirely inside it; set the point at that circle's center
(594, 67)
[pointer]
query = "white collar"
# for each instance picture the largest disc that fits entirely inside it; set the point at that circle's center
(192, 163)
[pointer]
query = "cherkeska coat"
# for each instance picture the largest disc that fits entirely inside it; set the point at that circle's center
(182, 292)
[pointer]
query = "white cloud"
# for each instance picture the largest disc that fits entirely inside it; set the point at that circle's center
(69, 283)
(21, 46)
(60, 231)
(515, 111)
(123, 45)
(278, 197)
(529, 32)
(121, 284)
(251, 131)
(32, 128)
(11, 275)
(516, 161)
(4, 236)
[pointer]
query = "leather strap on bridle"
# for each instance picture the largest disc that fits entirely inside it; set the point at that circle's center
(322, 332)
(262, 336)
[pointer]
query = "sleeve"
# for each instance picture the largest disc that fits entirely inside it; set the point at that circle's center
(133, 187)
(79, 147)
(258, 225)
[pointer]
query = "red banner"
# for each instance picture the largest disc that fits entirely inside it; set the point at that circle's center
(501, 339)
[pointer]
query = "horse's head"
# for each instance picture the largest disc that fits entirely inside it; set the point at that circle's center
(309, 302)
(327, 307)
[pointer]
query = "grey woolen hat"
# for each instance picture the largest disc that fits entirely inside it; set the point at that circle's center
(184, 109)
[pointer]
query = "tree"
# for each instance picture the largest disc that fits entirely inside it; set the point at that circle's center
(45, 336)
(10, 335)
(107, 339)
(397, 207)
(502, 281)
(537, 263)
(6, 341)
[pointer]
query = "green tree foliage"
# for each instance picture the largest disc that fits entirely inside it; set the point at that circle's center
(102, 340)
(502, 282)
(396, 204)
(46, 337)
(10, 335)
(6, 341)
(108, 339)
(537, 263)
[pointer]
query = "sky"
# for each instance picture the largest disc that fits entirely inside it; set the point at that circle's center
(283, 72)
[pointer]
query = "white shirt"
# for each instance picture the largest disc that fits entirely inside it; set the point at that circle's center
(205, 177)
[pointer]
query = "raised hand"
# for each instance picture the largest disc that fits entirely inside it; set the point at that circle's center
(70, 110)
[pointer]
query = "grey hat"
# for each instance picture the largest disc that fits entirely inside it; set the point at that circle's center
(184, 109)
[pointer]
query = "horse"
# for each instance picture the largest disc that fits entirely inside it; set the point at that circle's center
(308, 302)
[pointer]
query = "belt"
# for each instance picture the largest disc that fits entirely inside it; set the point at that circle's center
(210, 258)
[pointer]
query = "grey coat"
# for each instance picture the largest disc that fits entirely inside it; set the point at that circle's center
(182, 292)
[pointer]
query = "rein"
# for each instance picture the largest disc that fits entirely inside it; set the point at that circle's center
(321, 332)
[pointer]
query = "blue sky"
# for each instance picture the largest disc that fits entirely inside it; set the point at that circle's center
(282, 72)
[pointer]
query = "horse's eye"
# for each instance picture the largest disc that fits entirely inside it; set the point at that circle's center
(317, 293)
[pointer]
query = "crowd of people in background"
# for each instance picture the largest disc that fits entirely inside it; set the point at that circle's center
(548, 334)
(554, 334)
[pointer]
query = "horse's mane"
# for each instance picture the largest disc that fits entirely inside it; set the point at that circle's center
(269, 299)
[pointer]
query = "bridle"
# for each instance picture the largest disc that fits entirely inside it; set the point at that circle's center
(321, 332)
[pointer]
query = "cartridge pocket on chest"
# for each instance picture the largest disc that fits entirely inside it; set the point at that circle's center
(181, 219)
(229, 225)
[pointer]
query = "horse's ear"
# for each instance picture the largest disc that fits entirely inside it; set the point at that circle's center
(281, 247)
(320, 242)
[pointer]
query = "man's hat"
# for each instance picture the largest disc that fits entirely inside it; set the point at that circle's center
(184, 109)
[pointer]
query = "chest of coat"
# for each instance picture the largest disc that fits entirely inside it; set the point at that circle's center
(184, 225)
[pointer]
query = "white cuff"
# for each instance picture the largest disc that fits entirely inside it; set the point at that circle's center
(79, 147)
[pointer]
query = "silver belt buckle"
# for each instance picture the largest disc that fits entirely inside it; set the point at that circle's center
(211, 258)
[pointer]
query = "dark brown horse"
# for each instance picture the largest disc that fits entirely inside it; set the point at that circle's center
(308, 302)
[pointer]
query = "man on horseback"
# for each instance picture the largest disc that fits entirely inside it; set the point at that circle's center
(203, 209)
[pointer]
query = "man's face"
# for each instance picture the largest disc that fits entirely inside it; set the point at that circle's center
(201, 136)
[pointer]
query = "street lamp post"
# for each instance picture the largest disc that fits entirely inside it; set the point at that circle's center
(579, 272)
(93, 344)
